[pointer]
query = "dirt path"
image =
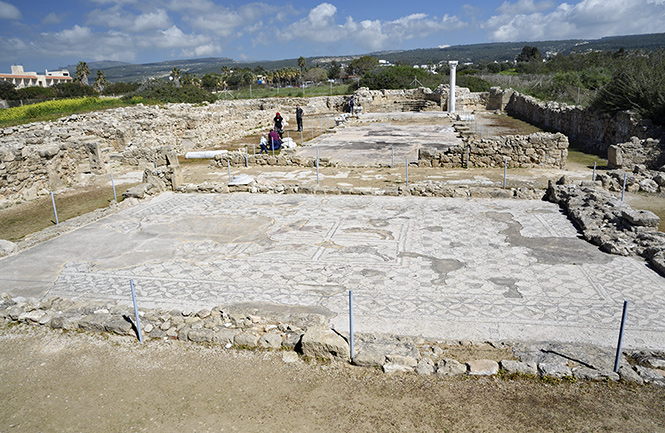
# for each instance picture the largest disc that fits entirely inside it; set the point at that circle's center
(71, 382)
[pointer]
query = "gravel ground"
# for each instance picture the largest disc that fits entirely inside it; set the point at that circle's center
(52, 381)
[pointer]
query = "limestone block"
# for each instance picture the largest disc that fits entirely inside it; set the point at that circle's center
(547, 369)
(271, 340)
(7, 248)
(246, 339)
(519, 367)
(319, 341)
(482, 367)
(450, 367)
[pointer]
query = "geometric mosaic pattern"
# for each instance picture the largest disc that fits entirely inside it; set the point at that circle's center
(439, 267)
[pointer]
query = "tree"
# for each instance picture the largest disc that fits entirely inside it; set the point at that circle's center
(175, 76)
(100, 81)
(335, 70)
(301, 64)
(529, 54)
(7, 91)
(82, 72)
(362, 65)
(211, 81)
(316, 75)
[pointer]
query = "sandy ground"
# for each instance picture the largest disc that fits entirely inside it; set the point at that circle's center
(52, 381)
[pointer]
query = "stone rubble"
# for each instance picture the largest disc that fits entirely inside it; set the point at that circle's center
(612, 225)
(309, 336)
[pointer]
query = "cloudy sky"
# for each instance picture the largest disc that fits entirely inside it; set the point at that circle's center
(45, 34)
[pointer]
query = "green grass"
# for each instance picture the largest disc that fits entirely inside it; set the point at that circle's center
(23, 219)
(51, 110)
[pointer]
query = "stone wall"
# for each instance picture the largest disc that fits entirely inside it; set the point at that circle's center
(419, 99)
(43, 156)
(526, 151)
(594, 130)
(648, 152)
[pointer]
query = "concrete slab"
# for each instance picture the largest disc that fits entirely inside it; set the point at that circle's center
(442, 268)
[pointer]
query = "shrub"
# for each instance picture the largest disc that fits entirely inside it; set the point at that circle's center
(120, 88)
(36, 93)
(7, 91)
(73, 90)
(639, 87)
(168, 93)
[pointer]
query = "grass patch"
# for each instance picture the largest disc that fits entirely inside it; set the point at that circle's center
(23, 219)
(579, 157)
(51, 110)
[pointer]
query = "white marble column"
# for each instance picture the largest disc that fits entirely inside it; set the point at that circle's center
(451, 100)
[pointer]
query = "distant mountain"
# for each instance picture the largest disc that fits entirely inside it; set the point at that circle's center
(490, 52)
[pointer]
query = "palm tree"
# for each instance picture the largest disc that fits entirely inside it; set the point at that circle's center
(175, 76)
(100, 81)
(301, 64)
(82, 72)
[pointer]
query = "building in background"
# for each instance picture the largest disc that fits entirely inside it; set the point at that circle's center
(21, 79)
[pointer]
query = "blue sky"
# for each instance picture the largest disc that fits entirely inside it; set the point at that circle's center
(45, 34)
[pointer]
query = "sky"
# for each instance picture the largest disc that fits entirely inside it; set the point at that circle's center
(47, 34)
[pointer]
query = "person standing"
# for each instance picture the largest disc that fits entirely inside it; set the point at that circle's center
(351, 105)
(299, 117)
(278, 124)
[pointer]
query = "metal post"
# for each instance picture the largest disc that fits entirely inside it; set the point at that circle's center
(467, 156)
(351, 322)
(250, 91)
(593, 178)
(272, 145)
(407, 172)
(136, 312)
(392, 164)
(228, 162)
(301, 139)
(623, 323)
(55, 211)
(623, 190)
(505, 170)
(115, 197)
(317, 164)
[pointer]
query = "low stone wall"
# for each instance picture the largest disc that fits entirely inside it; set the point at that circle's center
(430, 189)
(640, 179)
(594, 130)
(309, 335)
(649, 152)
(43, 156)
(418, 99)
(525, 151)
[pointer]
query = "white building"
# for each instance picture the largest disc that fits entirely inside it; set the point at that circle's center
(21, 79)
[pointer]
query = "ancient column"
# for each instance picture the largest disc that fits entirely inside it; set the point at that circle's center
(451, 99)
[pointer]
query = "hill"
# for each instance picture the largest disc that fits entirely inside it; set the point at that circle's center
(488, 52)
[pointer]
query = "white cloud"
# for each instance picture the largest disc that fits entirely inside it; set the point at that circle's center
(116, 18)
(84, 44)
(320, 26)
(9, 11)
(524, 7)
(53, 18)
(585, 19)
